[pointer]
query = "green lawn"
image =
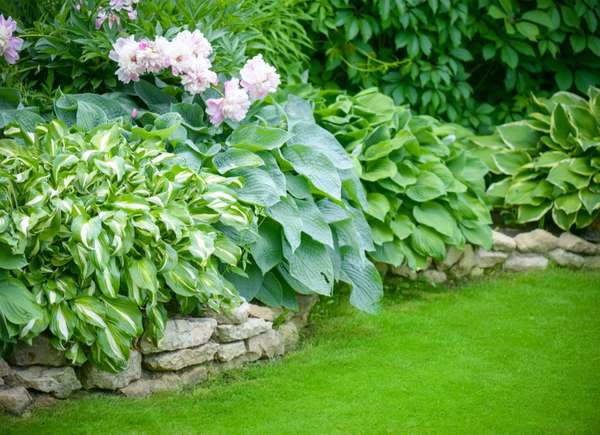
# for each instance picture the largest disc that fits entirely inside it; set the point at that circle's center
(515, 354)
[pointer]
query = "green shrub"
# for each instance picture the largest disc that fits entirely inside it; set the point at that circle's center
(104, 231)
(424, 192)
(473, 62)
(548, 164)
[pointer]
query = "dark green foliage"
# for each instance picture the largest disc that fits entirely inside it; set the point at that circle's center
(473, 62)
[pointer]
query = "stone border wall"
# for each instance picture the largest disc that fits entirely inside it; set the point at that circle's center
(191, 350)
(533, 250)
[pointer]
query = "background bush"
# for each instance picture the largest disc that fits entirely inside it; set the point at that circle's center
(474, 61)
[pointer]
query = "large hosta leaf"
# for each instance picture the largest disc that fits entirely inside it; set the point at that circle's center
(235, 158)
(436, 216)
(428, 186)
(316, 167)
(311, 265)
(17, 304)
(427, 242)
(255, 137)
(267, 251)
(361, 274)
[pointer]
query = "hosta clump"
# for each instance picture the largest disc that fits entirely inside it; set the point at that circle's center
(303, 185)
(102, 233)
(549, 164)
(424, 192)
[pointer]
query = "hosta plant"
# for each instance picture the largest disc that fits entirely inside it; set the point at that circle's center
(548, 165)
(103, 232)
(425, 192)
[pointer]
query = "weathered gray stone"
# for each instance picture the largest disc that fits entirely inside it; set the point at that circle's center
(523, 262)
(564, 258)
(570, 242)
(181, 333)
(434, 277)
(60, 381)
(266, 345)
(487, 259)
(1, 382)
(305, 305)
(93, 377)
(290, 335)
(166, 381)
(229, 351)
(265, 313)
(5, 369)
(539, 241)
(592, 262)
(40, 353)
(453, 255)
(476, 272)
(466, 263)
(178, 359)
(250, 328)
(404, 272)
(216, 367)
(502, 242)
(235, 316)
(14, 400)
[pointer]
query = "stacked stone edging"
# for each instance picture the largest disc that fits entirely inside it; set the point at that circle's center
(191, 350)
(533, 250)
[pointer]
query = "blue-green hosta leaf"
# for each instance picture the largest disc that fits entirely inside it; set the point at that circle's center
(258, 188)
(427, 242)
(267, 251)
(311, 265)
(428, 186)
(319, 139)
(533, 213)
(361, 274)
(276, 293)
(156, 99)
(332, 212)
(247, 286)
(254, 137)
(436, 216)
(379, 206)
(313, 222)
(316, 167)
(10, 261)
(287, 214)
(235, 158)
(477, 232)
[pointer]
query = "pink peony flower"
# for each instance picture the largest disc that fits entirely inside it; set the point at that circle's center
(125, 52)
(234, 104)
(259, 78)
(185, 47)
(197, 76)
(149, 57)
(9, 45)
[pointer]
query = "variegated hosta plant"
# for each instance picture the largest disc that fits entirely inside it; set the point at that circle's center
(425, 192)
(103, 232)
(549, 164)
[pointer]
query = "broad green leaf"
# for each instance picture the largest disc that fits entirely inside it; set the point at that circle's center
(478, 233)
(590, 200)
(519, 135)
(267, 250)
(427, 187)
(361, 274)
(287, 214)
(311, 265)
(235, 158)
(316, 167)
(435, 216)
(9, 261)
(427, 242)
(379, 206)
(254, 137)
(17, 304)
(533, 213)
(510, 162)
(569, 203)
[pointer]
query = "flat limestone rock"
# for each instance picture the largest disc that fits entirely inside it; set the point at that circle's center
(433, 276)
(41, 352)
(266, 345)
(14, 400)
(564, 258)
(60, 381)
(250, 328)
(538, 241)
(572, 243)
(265, 313)
(236, 316)
(486, 259)
(181, 334)
(179, 359)
(524, 262)
(452, 257)
(290, 335)
(592, 262)
(167, 381)
(229, 351)
(466, 263)
(5, 369)
(502, 242)
(93, 377)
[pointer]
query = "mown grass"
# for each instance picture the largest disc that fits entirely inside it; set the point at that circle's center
(513, 354)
